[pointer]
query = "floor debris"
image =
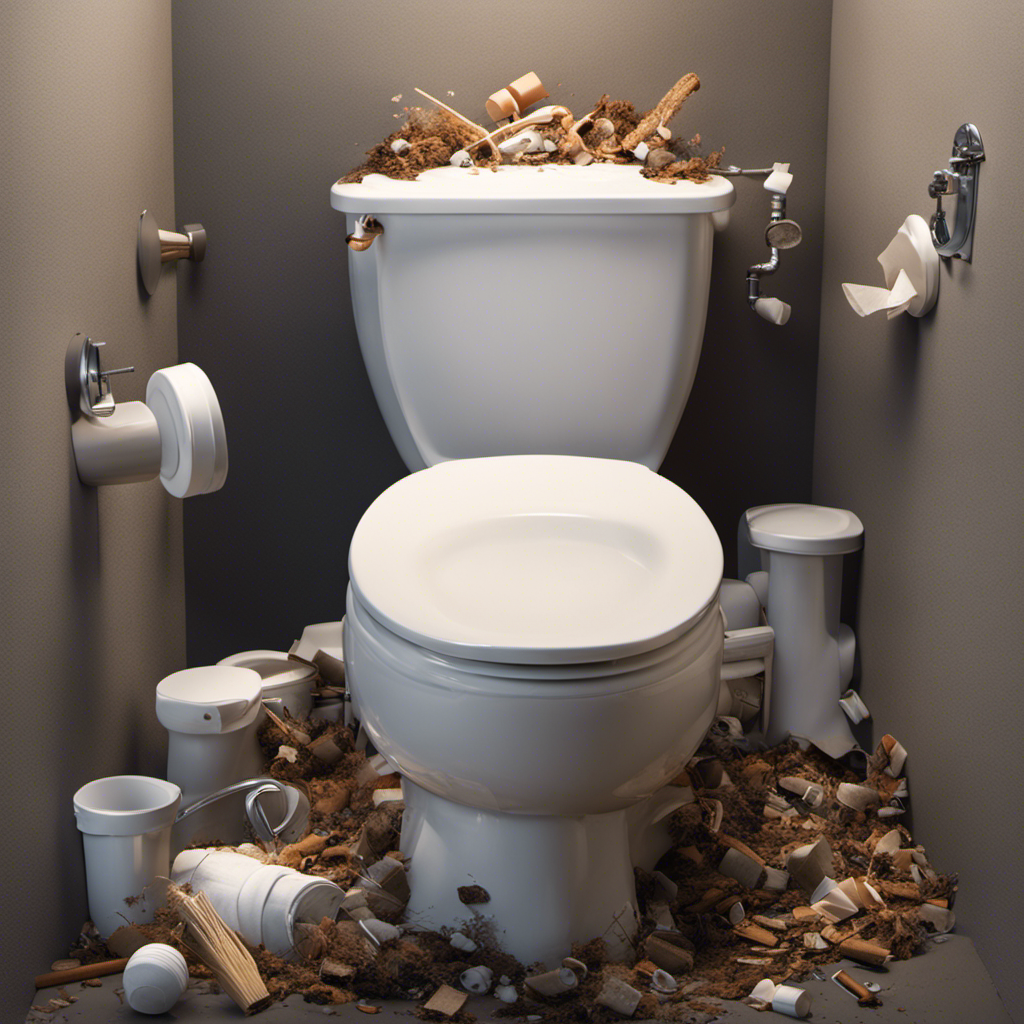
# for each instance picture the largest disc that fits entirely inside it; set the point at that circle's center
(705, 934)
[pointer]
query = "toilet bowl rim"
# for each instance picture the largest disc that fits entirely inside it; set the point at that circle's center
(500, 678)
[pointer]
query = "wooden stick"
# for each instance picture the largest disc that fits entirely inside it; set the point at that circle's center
(220, 949)
(663, 112)
(296, 735)
(55, 978)
(465, 120)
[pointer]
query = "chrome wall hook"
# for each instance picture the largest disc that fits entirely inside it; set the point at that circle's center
(960, 180)
(157, 247)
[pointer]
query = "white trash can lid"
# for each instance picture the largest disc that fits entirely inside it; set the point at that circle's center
(210, 699)
(804, 529)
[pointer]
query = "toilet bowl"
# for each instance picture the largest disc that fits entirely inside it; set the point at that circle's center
(537, 650)
(533, 637)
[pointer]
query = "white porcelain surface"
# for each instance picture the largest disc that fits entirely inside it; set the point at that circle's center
(534, 739)
(552, 880)
(532, 374)
(536, 559)
(599, 188)
(283, 678)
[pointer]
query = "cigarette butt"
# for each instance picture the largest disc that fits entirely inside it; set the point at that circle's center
(502, 104)
(553, 983)
(620, 997)
(755, 933)
(810, 792)
(855, 988)
(864, 952)
(527, 90)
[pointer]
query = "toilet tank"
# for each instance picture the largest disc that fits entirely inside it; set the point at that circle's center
(532, 310)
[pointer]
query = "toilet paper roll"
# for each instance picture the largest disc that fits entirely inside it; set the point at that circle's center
(911, 267)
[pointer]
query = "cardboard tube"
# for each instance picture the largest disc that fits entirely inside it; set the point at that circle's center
(527, 90)
(81, 973)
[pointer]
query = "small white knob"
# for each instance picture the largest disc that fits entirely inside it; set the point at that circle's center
(774, 310)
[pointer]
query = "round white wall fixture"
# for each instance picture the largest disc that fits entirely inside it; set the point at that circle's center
(194, 447)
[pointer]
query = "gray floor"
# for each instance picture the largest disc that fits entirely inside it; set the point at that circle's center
(945, 985)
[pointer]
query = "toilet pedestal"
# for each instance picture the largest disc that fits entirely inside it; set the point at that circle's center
(552, 880)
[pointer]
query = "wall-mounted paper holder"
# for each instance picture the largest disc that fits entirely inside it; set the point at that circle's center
(176, 434)
(961, 180)
(157, 247)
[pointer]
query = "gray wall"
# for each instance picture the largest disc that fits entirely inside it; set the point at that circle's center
(91, 583)
(919, 427)
(275, 101)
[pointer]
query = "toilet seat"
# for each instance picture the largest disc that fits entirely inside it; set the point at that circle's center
(536, 559)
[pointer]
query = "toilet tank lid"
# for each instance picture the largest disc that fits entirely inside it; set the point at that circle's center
(555, 188)
(804, 529)
(536, 559)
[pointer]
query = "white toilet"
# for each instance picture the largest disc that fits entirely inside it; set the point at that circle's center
(533, 637)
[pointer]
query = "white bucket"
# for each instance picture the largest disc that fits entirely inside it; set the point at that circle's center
(125, 821)
(263, 902)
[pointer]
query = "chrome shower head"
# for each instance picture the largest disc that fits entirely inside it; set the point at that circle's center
(783, 234)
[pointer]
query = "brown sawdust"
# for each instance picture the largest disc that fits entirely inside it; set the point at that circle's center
(415, 965)
(434, 135)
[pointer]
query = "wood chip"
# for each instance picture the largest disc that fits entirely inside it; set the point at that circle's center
(446, 1000)
(755, 933)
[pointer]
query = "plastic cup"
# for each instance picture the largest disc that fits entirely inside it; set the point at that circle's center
(125, 821)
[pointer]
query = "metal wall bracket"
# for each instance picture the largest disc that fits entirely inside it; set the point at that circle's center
(113, 444)
(157, 247)
(961, 180)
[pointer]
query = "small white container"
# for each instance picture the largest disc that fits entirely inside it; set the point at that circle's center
(792, 1001)
(155, 978)
(125, 821)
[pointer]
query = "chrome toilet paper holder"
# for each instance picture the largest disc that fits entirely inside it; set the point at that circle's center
(177, 434)
(960, 180)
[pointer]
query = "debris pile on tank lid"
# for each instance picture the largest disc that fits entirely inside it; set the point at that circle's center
(752, 805)
(612, 131)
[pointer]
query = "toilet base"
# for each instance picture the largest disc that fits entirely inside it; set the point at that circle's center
(552, 881)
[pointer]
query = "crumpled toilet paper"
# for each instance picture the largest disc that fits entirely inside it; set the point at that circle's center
(910, 265)
(867, 299)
